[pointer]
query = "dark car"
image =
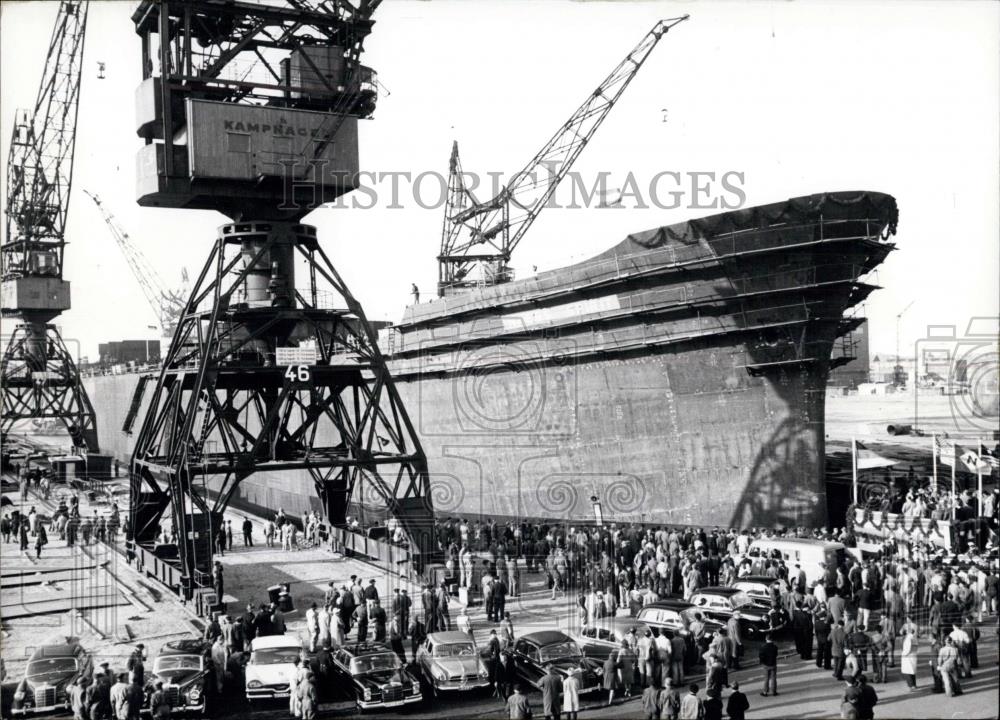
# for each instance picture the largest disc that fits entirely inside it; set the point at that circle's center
(758, 587)
(50, 671)
(182, 666)
(534, 652)
(719, 603)
(375, 676)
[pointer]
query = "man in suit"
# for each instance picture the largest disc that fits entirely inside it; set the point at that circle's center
(802, 630)
(821, 629)
(552, 686)
(838, 648)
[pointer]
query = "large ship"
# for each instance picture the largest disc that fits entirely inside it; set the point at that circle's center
(678, 377)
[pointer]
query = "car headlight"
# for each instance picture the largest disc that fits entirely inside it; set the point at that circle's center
(19, 695)
(415, 689)
(439, 673)
(254, 684)
(194, 694)
(483, 672)
(368, 693)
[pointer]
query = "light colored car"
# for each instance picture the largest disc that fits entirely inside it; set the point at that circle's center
(603, 637)
(451, 661)
(271, 667)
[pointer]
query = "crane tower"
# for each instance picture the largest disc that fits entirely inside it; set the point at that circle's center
(38, 373)
(252, 109)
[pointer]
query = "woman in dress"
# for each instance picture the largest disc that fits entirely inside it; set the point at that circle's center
(908, 659)
(571, 694)
(611, 676)
(626, 667)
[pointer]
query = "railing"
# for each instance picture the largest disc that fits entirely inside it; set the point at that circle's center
(395, 558)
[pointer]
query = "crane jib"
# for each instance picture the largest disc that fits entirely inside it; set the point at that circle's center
(464, 227)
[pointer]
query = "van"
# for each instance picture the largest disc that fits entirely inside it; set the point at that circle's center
(806, 553)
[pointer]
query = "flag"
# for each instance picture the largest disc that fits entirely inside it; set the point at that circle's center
(990, 456)
(971, 460)
(945, 450)
(868, 459)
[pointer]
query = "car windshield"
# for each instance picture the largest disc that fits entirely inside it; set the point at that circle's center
(177, 662)
(659, 615)
(274, 656)
(455, 650)
(51, 666)
(559, 651)
(374, 663)
(740, 599)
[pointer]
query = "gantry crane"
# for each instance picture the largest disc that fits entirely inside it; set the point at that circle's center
(166, 303)
(485, 234)
(39, 375)
(261, 376)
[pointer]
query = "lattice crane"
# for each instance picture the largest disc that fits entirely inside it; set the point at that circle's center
(485, 234)
(166, 303)
(39, 375)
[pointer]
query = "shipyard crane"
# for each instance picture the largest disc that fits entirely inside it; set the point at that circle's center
(167, 304)
(39, 374)
(898, 374)
(485, 234)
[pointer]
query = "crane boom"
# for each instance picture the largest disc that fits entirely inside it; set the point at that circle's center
(500, 224)
(40, 158)
(167, 304)
(38, 374)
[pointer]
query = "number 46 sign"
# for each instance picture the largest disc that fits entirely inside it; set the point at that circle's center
(298, 361)
(298, 374)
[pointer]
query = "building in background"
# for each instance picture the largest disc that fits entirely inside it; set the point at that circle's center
(129, 351)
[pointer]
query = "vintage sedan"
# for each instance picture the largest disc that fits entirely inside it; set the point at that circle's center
(452, 661)
(50, 671)
(535, 652)
(719, 603)
(271, 668)
(758, 587)
(672, 615)
(375, 676)
(603, 637)
(187, 681)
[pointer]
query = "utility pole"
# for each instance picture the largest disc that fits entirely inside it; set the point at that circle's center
(898, 378)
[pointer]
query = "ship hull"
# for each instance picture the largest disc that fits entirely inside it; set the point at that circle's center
(678, 378)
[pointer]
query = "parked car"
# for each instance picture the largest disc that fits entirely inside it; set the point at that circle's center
(50, 671)
(375, 676)
(186, 676)
(534, 652)
(452, 661)
(758, 587)
(719, 603)
(673, 615)
(271, 667)
(603, 637)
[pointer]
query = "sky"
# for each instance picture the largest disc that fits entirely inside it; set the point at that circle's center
(800, 98)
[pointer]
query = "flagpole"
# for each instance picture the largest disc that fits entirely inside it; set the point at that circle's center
(854, 470)
(934, 455)
(979, 482)
(954, 462)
